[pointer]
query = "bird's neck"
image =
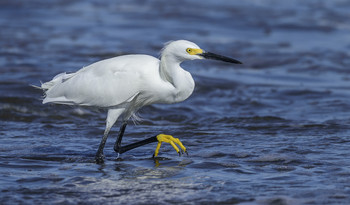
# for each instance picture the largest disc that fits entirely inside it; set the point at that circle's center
(171, 71)
(167, 67)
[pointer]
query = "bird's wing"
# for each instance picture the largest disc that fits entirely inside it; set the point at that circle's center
(106, 83)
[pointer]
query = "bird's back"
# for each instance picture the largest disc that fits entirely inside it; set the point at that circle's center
(106, 83)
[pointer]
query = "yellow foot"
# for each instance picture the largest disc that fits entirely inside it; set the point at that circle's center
(169, 139)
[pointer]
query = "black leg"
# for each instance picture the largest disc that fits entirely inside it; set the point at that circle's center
(117, 145)
(137, 144)
(159, 138)
(112, 116)
(99, 155)
(119, 149)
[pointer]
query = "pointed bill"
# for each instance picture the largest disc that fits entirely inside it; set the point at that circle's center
(209, 55)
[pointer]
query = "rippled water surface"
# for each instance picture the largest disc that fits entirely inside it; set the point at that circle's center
(272, 131)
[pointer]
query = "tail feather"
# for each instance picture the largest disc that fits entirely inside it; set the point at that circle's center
(37, 87)
(58, 79)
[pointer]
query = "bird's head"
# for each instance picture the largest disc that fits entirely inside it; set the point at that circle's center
(183, 50)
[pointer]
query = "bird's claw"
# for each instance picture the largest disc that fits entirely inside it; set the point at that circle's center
(171, 140)
(183, 152)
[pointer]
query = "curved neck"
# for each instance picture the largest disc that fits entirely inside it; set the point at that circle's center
(166, 68)
(171, 71)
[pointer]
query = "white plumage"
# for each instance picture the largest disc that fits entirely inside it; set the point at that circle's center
(126, 83)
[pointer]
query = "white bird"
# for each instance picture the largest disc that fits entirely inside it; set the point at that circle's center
(124, 84)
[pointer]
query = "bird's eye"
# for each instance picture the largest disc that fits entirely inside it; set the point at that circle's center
(188, 50)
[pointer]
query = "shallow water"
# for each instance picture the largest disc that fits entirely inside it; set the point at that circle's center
(272, 131)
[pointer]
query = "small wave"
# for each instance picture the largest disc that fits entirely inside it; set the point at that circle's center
(281, 200)
(276, 158)
(254, 119)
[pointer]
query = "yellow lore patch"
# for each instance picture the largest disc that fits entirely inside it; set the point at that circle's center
(194, 51)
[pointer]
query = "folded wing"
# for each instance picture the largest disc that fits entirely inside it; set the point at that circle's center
(106, 83)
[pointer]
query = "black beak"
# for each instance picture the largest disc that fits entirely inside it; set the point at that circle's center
(214, 56)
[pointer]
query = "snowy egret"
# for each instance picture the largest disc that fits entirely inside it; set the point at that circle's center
(124, 84)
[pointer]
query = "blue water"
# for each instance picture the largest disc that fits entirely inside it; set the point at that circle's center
(274, 130)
